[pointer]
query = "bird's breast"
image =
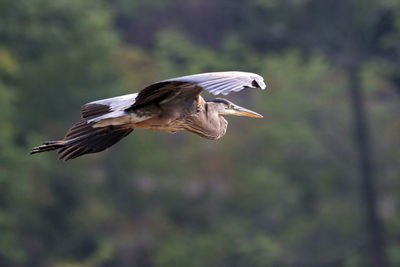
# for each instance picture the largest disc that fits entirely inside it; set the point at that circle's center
(161, 124)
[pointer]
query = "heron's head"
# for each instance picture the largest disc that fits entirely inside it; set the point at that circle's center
(226, 107)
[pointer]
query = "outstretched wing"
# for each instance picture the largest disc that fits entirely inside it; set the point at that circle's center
(105, 106)
(223, 82)
(192, 85)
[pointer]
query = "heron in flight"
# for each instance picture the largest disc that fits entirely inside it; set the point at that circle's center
(171, 105)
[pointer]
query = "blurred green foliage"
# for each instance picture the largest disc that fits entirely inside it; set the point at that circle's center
(281, 191)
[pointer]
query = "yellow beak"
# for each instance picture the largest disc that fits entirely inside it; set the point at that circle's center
(240, 111)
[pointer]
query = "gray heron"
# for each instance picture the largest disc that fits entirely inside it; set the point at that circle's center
(171, 105)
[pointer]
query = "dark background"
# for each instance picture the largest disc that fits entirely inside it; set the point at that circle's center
(313, 183)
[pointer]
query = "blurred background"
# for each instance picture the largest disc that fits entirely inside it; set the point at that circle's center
(314, 183)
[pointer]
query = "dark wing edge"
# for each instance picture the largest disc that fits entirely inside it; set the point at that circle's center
(93, 110)
(164, 91)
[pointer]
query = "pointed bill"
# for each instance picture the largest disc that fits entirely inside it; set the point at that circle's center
(240, 111)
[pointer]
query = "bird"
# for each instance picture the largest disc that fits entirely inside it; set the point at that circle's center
(170, 106)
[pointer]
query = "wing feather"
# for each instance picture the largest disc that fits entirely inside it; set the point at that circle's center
(218, 82)
(192, 85)
(105, 106)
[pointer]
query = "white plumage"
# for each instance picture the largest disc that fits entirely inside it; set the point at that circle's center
(223, 82)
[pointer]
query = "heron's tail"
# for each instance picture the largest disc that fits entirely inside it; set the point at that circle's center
(83, 139)
(48, 146)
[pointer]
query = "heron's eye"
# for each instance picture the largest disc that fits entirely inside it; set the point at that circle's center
(230, 105)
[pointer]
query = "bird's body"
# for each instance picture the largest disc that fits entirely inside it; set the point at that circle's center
(170, 106)
(177, 116)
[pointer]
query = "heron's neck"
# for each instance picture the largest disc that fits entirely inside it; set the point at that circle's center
(217, 124)
(206, 122)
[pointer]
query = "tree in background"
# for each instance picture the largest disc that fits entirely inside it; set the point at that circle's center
(65, 52)
(54, 55)
(280, 193)
(350, 34)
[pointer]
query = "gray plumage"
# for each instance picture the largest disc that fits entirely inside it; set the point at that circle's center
(170, 105)
(223, 82)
